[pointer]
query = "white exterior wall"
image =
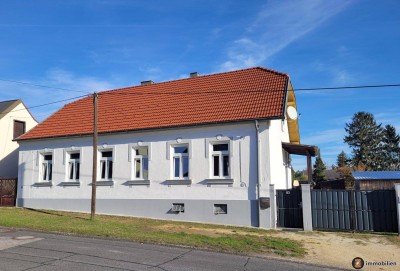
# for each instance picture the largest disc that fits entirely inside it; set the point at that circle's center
(243, 162)
(279, 168)
(8, 147)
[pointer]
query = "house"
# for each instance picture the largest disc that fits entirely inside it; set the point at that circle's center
(376, 180)
(205, 148)
(15, 120)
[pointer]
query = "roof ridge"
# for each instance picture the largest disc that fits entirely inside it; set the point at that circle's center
(10, 101)
(200, 76)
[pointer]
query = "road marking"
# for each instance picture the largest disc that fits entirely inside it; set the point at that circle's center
(9, 242)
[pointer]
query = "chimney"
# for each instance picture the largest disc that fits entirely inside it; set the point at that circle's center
(147, 82)
(194, 74)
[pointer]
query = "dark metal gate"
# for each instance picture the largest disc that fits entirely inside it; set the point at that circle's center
(290, 213)
(354, 210)
(8, 192)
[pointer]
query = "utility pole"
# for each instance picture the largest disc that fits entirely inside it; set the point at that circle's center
(94, 172)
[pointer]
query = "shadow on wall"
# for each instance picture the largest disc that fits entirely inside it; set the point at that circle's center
(9, 165)
(252, 179)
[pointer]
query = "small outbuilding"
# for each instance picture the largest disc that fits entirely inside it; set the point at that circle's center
(376, 180)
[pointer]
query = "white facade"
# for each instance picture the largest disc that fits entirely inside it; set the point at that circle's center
(8, 147)
(153, 193)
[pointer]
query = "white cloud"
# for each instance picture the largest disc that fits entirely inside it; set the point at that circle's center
(278, 24)
(59, 79)
(323, 137)
(65, 79)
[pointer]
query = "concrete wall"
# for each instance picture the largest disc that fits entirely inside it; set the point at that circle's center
(9, 148)
(155, 200)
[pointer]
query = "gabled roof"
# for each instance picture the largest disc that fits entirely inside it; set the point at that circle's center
(376, 175)
(7, 106)
(255, 93)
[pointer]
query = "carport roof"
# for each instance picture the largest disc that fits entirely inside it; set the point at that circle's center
(300, 149)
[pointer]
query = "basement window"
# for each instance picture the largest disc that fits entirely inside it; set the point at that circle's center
(220, 209)
(178, 207)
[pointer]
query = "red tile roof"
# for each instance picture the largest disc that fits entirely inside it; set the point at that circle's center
(254, 93)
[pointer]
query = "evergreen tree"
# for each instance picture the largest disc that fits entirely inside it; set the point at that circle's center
(364, 137)
(319, 170)
(342, 160)
(391, 147)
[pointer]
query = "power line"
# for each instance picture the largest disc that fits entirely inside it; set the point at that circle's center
(42, 86)
(113, 92)
(40, 105)
(238, 91)
(205, 92)
(349, 87)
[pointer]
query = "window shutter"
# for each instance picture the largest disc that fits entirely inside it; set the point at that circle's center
(19, 128)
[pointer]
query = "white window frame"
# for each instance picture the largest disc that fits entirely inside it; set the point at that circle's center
(49, 165)
(76, 164)
(106, 161)
(181, 157)
(170, 156)
(209, 143)
(220, 155)
(140, 158)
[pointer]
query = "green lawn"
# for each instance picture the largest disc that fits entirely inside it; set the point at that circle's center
(205, 236)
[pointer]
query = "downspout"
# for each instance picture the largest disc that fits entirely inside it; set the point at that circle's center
(257, 126)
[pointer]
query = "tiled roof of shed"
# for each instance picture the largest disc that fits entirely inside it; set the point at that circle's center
(254, 93)
(377, 175)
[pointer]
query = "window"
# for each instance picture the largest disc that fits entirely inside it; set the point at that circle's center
(106, 165)
(47, 167)
(178, 207)
(74, 167)
(220, 160)
(181, 161)
(141, 163)
(19, 128)
(220, 209)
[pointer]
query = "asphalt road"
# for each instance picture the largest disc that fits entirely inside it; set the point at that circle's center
(34, 251)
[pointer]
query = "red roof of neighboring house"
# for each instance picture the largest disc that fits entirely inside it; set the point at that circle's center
(254, 93)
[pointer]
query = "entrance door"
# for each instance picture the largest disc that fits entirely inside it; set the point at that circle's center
(290, 212)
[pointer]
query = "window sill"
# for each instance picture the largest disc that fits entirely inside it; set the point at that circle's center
(219, 181)
(137, 182)
(71, 183)
(103, 183)
(179, 182)
(43, 184)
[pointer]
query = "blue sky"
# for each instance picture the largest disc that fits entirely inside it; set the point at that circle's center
(95, 45)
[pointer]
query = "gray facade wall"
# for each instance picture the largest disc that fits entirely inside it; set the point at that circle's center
(239, 213)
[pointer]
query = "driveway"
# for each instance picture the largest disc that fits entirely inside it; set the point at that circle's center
(34, 251)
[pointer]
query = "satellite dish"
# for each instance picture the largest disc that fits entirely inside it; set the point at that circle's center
(292, 113)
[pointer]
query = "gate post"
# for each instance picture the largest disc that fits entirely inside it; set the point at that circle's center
(397, 189)
(306, 204)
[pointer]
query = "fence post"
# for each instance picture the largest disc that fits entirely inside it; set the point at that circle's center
(306, 204)
(397, 188)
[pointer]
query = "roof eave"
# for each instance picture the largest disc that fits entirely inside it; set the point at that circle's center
(150, 129)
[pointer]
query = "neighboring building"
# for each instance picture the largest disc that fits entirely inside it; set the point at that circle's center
(193, 149)
(376, 180)
(15, 120)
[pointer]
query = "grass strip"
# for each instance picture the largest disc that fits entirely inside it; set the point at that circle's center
(204, 236)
